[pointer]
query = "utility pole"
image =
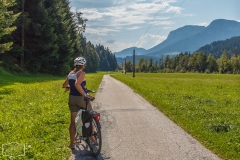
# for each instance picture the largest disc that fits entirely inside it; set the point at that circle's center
(125, 66)
(134, 63)
(122, 67)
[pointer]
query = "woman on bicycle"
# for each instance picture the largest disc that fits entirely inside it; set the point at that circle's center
(76, 80)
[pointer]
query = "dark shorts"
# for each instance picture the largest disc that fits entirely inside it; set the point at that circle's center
(77, 102)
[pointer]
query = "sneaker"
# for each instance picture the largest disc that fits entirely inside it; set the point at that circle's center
(71, 146)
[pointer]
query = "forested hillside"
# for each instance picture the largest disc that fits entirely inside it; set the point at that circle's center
(45, 36)
(231, 46)
(108, 60)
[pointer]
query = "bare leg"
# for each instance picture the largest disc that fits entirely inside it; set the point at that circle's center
(72, 129)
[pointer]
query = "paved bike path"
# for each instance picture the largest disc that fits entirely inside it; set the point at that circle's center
(133, 129)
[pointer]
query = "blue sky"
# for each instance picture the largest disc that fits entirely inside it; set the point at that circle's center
(120, 24)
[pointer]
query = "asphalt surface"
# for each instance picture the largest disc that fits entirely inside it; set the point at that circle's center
(133, 129)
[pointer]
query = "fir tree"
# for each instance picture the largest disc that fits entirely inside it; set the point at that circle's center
(7, 18)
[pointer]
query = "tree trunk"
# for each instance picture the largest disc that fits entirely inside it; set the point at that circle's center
(22, 54)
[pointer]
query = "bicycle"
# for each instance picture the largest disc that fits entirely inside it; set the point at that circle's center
(96, 144)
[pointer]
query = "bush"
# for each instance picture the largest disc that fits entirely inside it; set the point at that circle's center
(151, 69)
(8, 64)
(207, 71)
(167, 70)
(183, 70)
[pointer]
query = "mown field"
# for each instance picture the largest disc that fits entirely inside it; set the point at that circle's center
(34, 116)
(205, 105)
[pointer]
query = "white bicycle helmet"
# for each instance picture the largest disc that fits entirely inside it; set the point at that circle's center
(79, 61)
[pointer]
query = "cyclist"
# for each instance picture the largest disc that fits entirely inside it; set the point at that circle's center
(76, 81)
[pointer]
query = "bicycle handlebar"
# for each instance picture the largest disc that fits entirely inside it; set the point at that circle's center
(89, 98)
(90, 91)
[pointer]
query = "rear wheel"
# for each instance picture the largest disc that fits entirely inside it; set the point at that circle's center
(96, 144)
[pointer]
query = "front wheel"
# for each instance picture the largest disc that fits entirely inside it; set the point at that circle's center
(95, 141)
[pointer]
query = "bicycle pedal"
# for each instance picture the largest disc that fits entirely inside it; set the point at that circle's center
(78, 142)
(94, 143)
(83, 138)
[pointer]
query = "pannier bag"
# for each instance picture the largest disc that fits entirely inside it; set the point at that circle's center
(83, 123)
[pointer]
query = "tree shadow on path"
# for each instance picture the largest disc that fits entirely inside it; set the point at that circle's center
(82, 152)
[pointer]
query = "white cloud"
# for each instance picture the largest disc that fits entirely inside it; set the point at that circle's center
(133, 28)
(150, 40)
(173, 9)
(114, 47)
(73, 9)
(124, 16)
(119, 46)
(162, 22)
(202, 24)
(99, 31)
(161, 1)
(129, 13)
(188, 15)
(91, 3)
(91, 14)
(167, 28)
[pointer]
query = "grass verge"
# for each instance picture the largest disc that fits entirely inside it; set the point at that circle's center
(34, 115)
(205, 105)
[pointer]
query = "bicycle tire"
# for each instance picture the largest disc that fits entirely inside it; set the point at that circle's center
(95, 148)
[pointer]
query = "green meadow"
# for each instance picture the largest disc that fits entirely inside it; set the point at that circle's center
(205, 105)
(34, 115)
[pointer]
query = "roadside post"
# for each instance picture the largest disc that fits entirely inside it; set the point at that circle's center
(134, 63)
(125, 66)
(122, 67)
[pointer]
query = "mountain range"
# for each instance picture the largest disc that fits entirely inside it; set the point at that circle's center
(129, 51)
(231, 46)
(189, 38)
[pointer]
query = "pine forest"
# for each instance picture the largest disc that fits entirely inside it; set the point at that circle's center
(44, 36)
